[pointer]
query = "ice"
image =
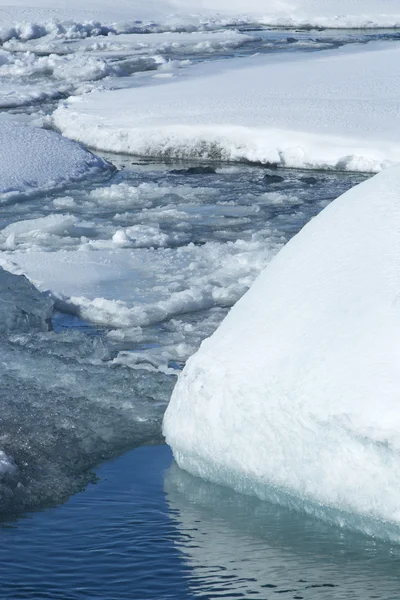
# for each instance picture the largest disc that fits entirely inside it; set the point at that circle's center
(155, 254)
(65, 405)
(134, 44)
(59, 64)
(6, 464)
(251, 548)
(295, 397)
(33, 160)
(98, 385)
(132, 288)
(22, 307)
(297, 110)
(25, 20)
(65, 408)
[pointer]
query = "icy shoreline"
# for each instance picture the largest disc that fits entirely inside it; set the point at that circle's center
(298, 111)
(27, 20)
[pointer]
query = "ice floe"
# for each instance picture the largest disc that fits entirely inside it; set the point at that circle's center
(302, 111)
(295, 397)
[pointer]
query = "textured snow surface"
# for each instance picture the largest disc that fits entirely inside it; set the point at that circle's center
(34, 160)
(30, 18)
(295, 397)
(337, 109)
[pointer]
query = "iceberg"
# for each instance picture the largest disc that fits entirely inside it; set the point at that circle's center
(295, 398)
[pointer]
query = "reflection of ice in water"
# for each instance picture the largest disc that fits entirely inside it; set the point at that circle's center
(242, 547)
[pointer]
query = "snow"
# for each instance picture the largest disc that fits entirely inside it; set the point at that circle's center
(295, 397)
(29, 18)
(54, 67)
(33, 160)
(302, 110)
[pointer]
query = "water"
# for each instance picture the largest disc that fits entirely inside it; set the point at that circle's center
(141, 266)
(147, 530)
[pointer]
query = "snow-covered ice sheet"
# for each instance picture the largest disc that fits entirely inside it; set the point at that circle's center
(295, 397)
(30, 18)
(33, 160)
(337, 109)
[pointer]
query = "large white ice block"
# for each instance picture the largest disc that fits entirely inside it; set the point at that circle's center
(296, 397)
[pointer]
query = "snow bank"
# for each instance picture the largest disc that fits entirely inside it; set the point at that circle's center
(295, 397)
(300, 110)
(27, 19)
(34, 160)
(317, 13)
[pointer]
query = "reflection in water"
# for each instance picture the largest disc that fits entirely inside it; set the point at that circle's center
(241, 547)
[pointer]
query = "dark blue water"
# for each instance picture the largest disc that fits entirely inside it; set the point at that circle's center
(147, 530)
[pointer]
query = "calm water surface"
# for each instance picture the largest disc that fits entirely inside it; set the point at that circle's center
(150, 531)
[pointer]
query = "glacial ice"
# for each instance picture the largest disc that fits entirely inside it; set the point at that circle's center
(295, 397)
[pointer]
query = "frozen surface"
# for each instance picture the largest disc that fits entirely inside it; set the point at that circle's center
(302, 110)
(65, 409)
(33, 160)
(22, 307)
(295, 397)
(32, 19)
(41, 70)
(125, 288)
(156, 255)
